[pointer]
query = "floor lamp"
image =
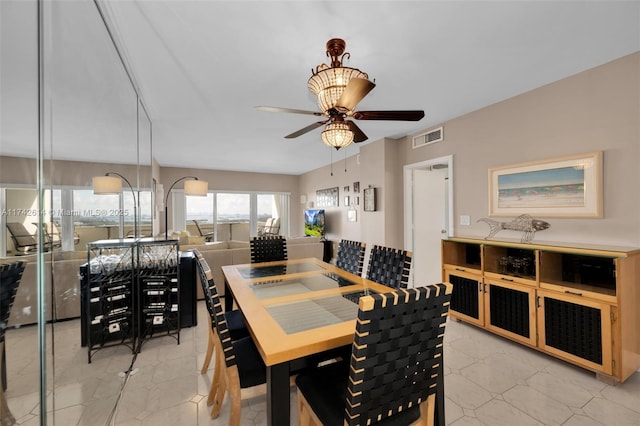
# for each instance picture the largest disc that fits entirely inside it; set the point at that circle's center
(192, 186)
(109, 185)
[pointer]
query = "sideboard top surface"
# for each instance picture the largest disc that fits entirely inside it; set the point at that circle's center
(575, 248)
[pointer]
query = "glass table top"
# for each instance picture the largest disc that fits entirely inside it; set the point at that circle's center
(269, 271)
(287, 287)
(308, 314)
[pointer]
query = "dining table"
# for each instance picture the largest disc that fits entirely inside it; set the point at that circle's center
(295, 309)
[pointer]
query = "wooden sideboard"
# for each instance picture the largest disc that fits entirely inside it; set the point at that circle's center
(577, 303)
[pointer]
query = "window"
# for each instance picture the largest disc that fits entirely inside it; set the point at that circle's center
(234, 215)
(104, 213)
(199, 215)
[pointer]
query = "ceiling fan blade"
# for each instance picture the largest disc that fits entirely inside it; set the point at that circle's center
(358, 135)
(304, 130)
(354, 92)
(291, 110)
(413, 115)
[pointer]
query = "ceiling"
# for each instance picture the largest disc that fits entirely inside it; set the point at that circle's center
(203, 66)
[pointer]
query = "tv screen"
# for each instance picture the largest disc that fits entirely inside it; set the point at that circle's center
(314, 223)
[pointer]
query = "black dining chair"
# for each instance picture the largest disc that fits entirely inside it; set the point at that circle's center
(395, 371)
(389, 266)
(238, 361)
(234, 319)
(268, 248)
(10, 276)
(350, 256)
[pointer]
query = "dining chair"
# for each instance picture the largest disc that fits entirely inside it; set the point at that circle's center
(389, 266)
(10, 276)
(235, 319)
(350, 256)
(238, 361)
(395, 370)
(268, 248)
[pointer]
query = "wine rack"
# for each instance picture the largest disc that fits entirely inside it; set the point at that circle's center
(131, 293)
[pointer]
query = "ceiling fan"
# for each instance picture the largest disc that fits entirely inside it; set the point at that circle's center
(339, 90)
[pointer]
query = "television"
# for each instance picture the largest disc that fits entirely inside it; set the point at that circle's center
(314, 223)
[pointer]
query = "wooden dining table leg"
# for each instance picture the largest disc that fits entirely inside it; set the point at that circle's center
(278, 401)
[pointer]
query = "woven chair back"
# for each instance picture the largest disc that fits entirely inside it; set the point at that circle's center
(206, 280)
(389, 266)
(219, 321)
(351, 256)
(10, 276)
(268, 248)
(396, 353)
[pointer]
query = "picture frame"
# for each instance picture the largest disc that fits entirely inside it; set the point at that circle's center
(327, 197)
(346, 188)
(356, 201)
(352, 216)
(356, 187)
(370, 199)
(346, 201)
(569, 186)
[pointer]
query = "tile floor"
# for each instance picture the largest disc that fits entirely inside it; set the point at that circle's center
(489, 381)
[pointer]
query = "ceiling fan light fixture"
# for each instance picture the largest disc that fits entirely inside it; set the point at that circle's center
(329, 83)
(337, 135)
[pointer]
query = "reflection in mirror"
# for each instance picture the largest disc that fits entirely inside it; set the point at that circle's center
(93, 123)
(145, 175)
(19, 357)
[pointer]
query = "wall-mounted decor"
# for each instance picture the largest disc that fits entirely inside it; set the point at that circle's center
(352, 216)
(356, 187)
(370, 199)
(559, 187)
(346, 188)
(346, 201)
(327, 197)
(356, 201)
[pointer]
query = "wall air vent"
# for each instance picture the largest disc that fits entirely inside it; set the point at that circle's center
(432, 136)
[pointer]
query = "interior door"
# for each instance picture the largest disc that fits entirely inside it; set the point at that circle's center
(429, 225)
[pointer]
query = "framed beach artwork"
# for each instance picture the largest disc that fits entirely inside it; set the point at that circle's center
(559, 187)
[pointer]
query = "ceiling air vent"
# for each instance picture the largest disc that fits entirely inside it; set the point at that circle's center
(432, 136)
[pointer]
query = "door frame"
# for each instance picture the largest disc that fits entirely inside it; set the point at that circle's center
(408, 196)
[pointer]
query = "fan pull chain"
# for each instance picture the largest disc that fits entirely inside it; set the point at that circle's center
(331, 160)
(345, 160)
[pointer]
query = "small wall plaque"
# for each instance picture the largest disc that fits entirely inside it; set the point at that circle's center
(370, 199)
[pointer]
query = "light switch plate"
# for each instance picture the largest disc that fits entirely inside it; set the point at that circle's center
(465, 220)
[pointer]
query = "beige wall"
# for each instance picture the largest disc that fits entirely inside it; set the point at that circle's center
(236, 181)
(335, 217)
(377, 165)
(596, 110)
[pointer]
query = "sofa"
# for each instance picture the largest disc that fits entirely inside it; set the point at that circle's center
(65, 276)
(221, 253)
